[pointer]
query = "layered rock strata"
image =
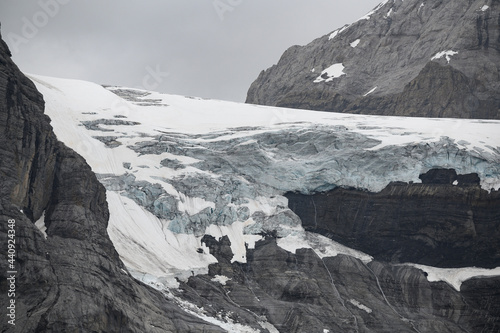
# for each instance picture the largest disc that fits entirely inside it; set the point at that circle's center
(303, 291)
(434, 223)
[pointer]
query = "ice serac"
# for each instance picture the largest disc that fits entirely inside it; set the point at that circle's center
(72, 280)
(412, 58)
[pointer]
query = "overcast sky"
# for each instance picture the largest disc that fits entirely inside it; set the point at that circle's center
(205, 48)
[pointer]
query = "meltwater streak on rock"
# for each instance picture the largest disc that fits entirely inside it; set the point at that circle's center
(409, 58)
(72, 281)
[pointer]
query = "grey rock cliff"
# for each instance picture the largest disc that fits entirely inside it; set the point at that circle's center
(73, 280)
(301, 291)
(394, 64)
(433, 223)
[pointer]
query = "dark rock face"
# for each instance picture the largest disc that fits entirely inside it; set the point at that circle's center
(395, 64)
(439, 176)
(72, 281)
(449, 176)
(303, 292)
(434, 223)
(484, 296)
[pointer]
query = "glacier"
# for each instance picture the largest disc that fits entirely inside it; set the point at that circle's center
(177, 168)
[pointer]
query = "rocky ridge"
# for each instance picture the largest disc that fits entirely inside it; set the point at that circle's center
(405, 58)
(305, 291)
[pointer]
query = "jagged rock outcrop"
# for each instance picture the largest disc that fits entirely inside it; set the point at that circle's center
(434, 222)
(406, 58)
(72, 280)
(301, 291)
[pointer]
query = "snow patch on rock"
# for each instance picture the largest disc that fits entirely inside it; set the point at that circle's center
(360, 306)
(40, 224)
(221, 279)
(456, 276)
(324, 247)
(330, 73)
(337, 32)
(446, 54)
(369, 14)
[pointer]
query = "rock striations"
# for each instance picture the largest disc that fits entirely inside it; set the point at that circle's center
(406, 58)
(305, 292)
(71, 280)
(433, 223)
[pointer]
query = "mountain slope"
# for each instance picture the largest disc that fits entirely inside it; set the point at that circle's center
(405, 58)
(68, 276)
(196, 191)
(161, 213)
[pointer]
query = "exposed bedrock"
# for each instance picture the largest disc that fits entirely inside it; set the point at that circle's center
(434, 223)
(300, 291)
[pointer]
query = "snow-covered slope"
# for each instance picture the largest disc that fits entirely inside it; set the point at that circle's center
(177, 168)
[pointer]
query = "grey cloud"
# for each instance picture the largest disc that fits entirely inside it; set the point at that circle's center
(115, 42)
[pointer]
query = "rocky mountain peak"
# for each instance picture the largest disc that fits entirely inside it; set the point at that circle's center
(408, 58)
(135, 211)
